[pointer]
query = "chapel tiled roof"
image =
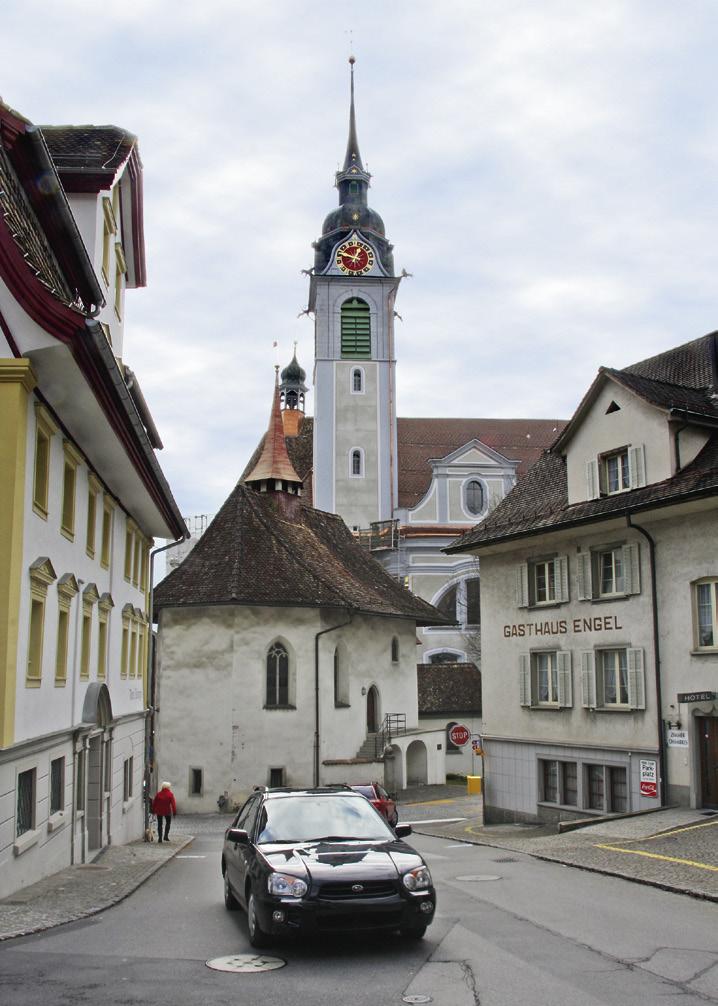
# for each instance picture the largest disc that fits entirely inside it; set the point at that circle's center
(273, 549)
(273, 463)
(449, 688)
(300, 451)
(539, 502)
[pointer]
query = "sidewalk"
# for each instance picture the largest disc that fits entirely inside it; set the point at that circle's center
(675, 849)
(79, 891)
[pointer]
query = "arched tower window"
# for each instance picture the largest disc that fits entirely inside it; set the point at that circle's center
(356, 463)
(394, 650)
(277, 676)
(474, 497)
(357, 381)
(355, 330)
(341, 677)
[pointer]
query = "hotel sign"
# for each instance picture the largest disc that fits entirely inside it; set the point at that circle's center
(562, 626)
(696, 696)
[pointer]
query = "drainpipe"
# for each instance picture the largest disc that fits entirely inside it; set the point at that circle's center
(151, 684)
(657, 657)
(75, 732)
(321, 632)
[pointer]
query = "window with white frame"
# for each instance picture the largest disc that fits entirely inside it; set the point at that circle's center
(609, 571)
(357, 381)
(474, 497)
(705, 614)
(356, 463)
(616, 471)
(127, 778)
(613, 678)
(545, 679)
(445, 657)
(542, 581)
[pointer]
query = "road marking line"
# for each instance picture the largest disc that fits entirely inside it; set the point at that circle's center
(190, 857)
(677, 831)
(428, 803)
(655, 855)
(461, 845)
(437, 820)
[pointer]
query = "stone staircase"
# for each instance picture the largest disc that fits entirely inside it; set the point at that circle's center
(368, 748)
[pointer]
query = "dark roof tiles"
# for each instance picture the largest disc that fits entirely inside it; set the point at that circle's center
(452, 689)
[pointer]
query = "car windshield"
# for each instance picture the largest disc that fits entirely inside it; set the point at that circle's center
(307, 818)
(367, 791)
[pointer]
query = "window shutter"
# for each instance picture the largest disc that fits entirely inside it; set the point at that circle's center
(637, 466)
(522, 585)
(565, 689)
(631, 568)
(583, 576)
(588, 679)
(561, 567)
(636, 683)
(592, 485)
(525, 679)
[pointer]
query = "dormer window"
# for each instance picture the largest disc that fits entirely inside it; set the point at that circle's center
(615, 472)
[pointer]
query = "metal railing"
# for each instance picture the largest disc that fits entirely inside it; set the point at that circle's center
(393, 725)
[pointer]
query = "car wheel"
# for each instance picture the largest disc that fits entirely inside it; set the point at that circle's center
(230, 902)
(257, 936)
(413, 932)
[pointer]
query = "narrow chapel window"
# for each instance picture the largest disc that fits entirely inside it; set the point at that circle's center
(356, 462)
(277, 676)
(357, 380)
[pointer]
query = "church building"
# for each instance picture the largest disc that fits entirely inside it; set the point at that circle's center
(286, 654)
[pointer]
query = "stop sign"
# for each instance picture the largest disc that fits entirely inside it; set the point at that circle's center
(459, 735)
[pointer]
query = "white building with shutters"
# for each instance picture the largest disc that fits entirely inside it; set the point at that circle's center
(599, 604)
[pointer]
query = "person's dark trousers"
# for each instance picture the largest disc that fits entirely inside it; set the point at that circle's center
(166, 818)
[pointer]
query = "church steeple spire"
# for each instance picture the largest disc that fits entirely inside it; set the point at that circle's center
(353, 157)
(353, 180)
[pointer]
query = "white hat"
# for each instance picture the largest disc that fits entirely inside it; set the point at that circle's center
(166, 785)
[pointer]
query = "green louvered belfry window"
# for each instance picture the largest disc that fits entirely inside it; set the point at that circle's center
(356, 330)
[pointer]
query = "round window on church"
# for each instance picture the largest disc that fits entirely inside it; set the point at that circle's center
(474, 497)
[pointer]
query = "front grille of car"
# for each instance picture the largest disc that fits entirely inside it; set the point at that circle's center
(347, 892)
(333, 921)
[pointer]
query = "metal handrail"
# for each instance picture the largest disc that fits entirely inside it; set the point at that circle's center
(393, 725)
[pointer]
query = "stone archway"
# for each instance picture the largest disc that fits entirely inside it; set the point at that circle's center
(416, 764)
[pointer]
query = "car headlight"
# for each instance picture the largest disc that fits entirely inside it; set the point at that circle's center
(418, 879)
(286, 886)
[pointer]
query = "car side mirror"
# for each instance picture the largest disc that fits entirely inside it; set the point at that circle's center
(237, 835)
(402, 830)
(393, 796)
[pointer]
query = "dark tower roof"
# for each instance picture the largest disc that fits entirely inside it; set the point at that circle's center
(353, 213)
(293, 376)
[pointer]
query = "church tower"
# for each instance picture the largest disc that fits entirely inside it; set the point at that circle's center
(352, 293)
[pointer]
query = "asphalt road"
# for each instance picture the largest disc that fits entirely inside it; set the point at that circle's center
(510, 929)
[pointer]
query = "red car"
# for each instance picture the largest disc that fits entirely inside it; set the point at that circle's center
(379, 798)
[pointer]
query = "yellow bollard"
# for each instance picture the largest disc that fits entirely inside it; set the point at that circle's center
(473, 785)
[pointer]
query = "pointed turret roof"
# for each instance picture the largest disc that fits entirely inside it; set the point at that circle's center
(353, 157)
(273, 464)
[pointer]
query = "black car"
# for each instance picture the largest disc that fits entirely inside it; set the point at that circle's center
(323, 860)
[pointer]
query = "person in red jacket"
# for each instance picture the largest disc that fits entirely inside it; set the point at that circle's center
(165, 807)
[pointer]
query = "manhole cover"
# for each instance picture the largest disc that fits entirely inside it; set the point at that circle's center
(474, 878)
(246, 964)
(417, 999)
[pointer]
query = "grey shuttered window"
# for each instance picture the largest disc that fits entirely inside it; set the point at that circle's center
(522, 585)
(636, 681)
(565, 689)
(637, 466)
(525, 679)
(588, 679)
(631, 569)
(355, 330)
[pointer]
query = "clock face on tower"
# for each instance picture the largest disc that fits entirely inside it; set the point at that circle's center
(354, 257)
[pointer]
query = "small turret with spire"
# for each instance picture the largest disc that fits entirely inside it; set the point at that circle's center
(291, 396)
(273, 471)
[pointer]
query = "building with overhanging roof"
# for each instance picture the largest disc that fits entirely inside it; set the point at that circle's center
(600, 603)
(81, 500)
(286, 653)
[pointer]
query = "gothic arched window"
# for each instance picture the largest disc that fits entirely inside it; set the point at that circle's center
(355, 329)
(357, 380)
(277, 676)
(474, 497)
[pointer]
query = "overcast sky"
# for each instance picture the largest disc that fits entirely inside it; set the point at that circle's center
(546, 169)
